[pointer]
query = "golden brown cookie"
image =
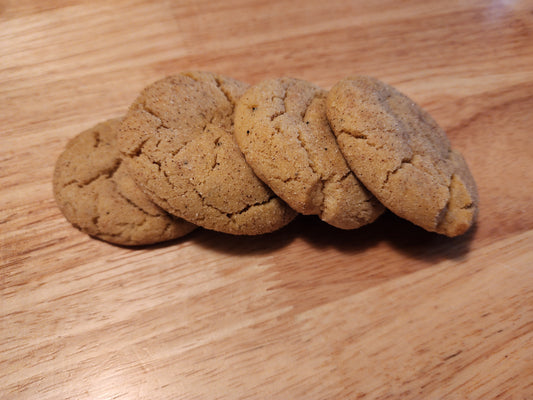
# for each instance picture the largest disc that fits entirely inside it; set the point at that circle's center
(97, 196)
(282, 129)
(178, 141)
(402, 156)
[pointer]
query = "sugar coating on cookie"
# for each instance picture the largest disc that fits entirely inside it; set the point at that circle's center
(402, 155)
(177, 139)
(95, 193)
(282, 129)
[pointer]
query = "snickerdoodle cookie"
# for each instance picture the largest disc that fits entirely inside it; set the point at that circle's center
(402, 156)
(177, 140)
(97, 196)
(282, 129)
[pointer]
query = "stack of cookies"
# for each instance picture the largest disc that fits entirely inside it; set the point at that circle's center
(201, 149)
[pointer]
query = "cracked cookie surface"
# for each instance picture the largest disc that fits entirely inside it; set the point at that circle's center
(402, 155)
(95, 193)
(282, 129)
(177, 141)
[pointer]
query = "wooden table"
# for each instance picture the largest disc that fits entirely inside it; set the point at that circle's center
(310, 312)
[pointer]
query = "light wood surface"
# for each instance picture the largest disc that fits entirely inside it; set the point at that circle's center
(309, 312)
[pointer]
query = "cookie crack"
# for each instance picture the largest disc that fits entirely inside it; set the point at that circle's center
(250, 206)
(154, 114)
(327, 181)
(205, 127)
(441, 216)
(220, 86)
(162, 202)
(289, 179)
(94, 221)
(111, 172)
(97, 140)
(230, 215)
(405, 160)
(281, 112)
(106, 173)
(303, 145)
(176, 153)
(139, 149)
(308, 104)
(359, 135)
(166, 230)
(96, 218)
(125, 227)
(71, 182)
(354, 134)
(205, 204)
(336, 178)
(131, 203)
(299, 138)
(468, 206)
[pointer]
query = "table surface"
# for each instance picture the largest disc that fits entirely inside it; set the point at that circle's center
(387, 311)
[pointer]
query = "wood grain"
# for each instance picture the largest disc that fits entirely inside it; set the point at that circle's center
(384, 312)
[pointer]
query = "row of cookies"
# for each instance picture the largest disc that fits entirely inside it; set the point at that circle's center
(201, 149)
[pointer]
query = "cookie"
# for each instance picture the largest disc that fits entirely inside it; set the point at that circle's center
(282, 129)
(402, 156)
(177, 139)
(95, 193)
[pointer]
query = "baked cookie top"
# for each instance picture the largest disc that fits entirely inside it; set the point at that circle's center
(177, 140)
(402, 156)
(95, 193)
(282, 129)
